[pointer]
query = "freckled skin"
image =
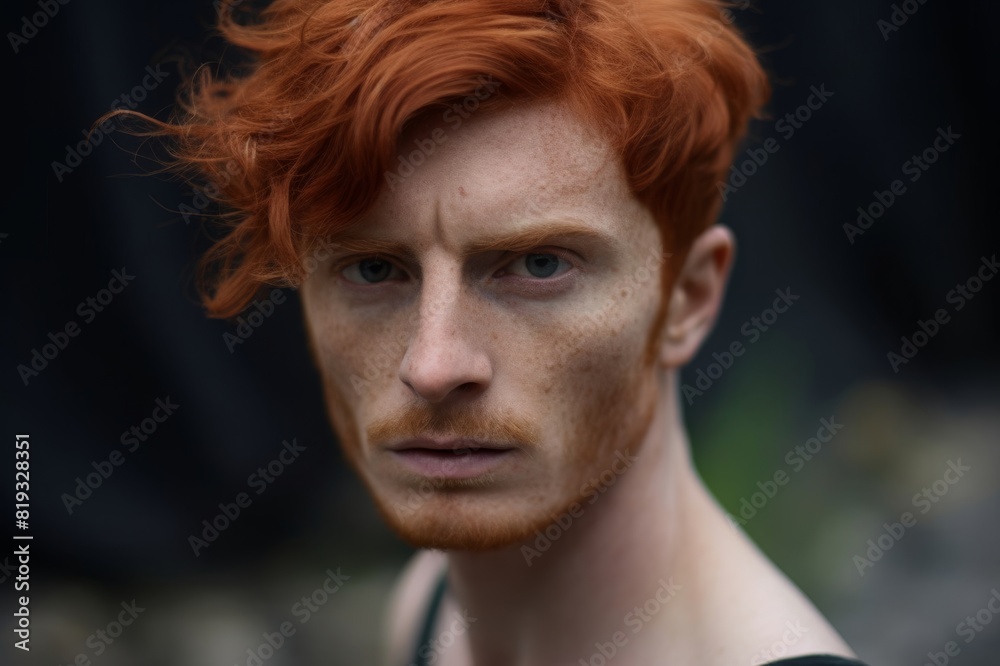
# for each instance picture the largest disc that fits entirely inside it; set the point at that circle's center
(454, 346)
(570, 366)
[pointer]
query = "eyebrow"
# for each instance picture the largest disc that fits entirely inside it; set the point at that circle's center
(510, 241)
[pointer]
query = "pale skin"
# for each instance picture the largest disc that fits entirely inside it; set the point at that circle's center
(464, 330)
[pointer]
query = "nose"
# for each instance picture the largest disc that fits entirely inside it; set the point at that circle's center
(445, 355)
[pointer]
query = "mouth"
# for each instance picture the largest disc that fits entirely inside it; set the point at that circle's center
(454, 459)
(454, 446)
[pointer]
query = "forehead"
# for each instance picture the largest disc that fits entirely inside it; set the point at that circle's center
(457, 178)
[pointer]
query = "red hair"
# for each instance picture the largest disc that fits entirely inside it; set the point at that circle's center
(310, 132)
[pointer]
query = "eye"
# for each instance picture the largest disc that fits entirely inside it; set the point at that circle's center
(540, 265)
(370, 270)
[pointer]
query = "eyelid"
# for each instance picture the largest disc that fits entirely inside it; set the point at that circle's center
(562, 253)
(337, 264)
(340, 265)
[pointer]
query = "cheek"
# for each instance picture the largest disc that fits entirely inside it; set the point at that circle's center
(596, 342)
(598, 379)
(343, 354)
(359, 356)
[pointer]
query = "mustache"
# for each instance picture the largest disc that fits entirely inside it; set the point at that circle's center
(417, 421)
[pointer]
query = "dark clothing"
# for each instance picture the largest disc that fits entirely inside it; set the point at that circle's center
(425, 640)
(815, 660)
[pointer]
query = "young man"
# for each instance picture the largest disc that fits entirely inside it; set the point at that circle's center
(517, 425)
(500, 214)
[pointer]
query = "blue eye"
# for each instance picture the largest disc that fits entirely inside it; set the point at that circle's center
(371, 270)
(540, 265)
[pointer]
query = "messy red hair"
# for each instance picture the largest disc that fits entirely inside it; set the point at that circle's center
(298, 148)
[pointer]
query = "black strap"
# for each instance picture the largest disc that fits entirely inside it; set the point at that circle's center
(420, 658)
(816, 660)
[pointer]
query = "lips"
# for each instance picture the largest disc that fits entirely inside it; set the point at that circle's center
(453, 445)
(451, 458)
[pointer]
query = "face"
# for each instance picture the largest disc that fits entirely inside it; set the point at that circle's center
(497, 302)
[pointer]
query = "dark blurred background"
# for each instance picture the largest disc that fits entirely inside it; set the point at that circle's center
(66, 229)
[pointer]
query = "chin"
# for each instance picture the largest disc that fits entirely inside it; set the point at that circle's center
(467, 519)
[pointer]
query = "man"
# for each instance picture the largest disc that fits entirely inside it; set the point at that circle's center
(501, 217)
(552, 369)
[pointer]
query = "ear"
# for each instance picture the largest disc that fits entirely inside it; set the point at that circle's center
(696, 295)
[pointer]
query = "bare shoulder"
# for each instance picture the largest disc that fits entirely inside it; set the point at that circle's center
(752, 611)
(774, 620)
(407, 603)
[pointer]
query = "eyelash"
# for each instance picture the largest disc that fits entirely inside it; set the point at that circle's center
(340, 267)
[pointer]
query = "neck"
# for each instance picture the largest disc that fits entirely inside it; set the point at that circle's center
(627, 561)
